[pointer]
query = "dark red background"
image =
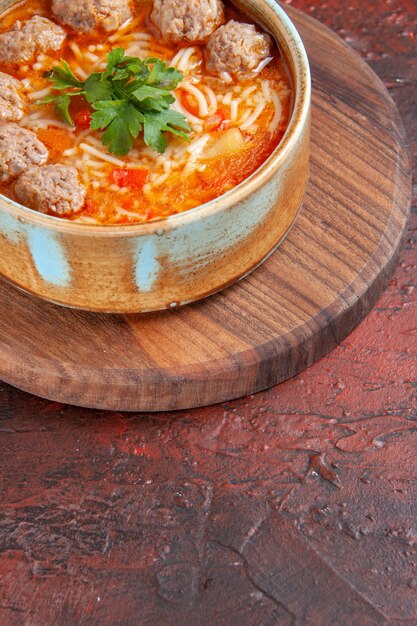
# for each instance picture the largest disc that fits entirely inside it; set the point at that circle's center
(297, 506)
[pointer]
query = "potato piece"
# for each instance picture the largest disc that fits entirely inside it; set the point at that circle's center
(229, 142)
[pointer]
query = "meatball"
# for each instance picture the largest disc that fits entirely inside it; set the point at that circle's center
(19, 149)
(187, 20)
(51, 188)
(86, 15)
(238, 49)
(24, 41)
(11, 102)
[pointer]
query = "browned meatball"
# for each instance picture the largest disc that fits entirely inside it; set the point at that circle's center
(19, 149)
(51, 188)
(86, 15)
(187, 20)
(11, 102)
(24, 41)
(238, 49)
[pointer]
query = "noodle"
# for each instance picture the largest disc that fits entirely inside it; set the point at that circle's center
(211, 98)
(252, 118)
(38, 95)
(203, 109)
(234, 109)
(278, 112)
(101, 155)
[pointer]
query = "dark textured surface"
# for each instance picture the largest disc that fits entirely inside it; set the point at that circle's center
(296, 506)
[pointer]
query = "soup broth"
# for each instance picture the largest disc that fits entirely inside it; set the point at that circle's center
(235, 125)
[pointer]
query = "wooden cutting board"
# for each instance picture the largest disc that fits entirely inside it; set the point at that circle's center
(293, 310)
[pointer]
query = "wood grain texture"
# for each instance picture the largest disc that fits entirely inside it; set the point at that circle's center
(305, 299)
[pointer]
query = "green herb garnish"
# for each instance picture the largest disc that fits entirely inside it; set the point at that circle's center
(131, 96)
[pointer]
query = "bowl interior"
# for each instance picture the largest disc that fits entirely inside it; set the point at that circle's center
(270, 16)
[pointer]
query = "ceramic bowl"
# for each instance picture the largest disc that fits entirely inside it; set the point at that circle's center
(186, 257)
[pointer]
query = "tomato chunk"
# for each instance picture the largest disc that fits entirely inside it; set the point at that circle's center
(215, 122)
(83, 120)
(190, 103)
(133, 179)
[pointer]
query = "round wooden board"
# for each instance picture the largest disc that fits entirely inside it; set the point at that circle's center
(300, 304)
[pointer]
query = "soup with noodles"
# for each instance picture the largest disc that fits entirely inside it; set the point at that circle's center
(97, 150)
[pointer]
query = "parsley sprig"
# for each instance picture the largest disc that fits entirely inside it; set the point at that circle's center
(130, 97)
